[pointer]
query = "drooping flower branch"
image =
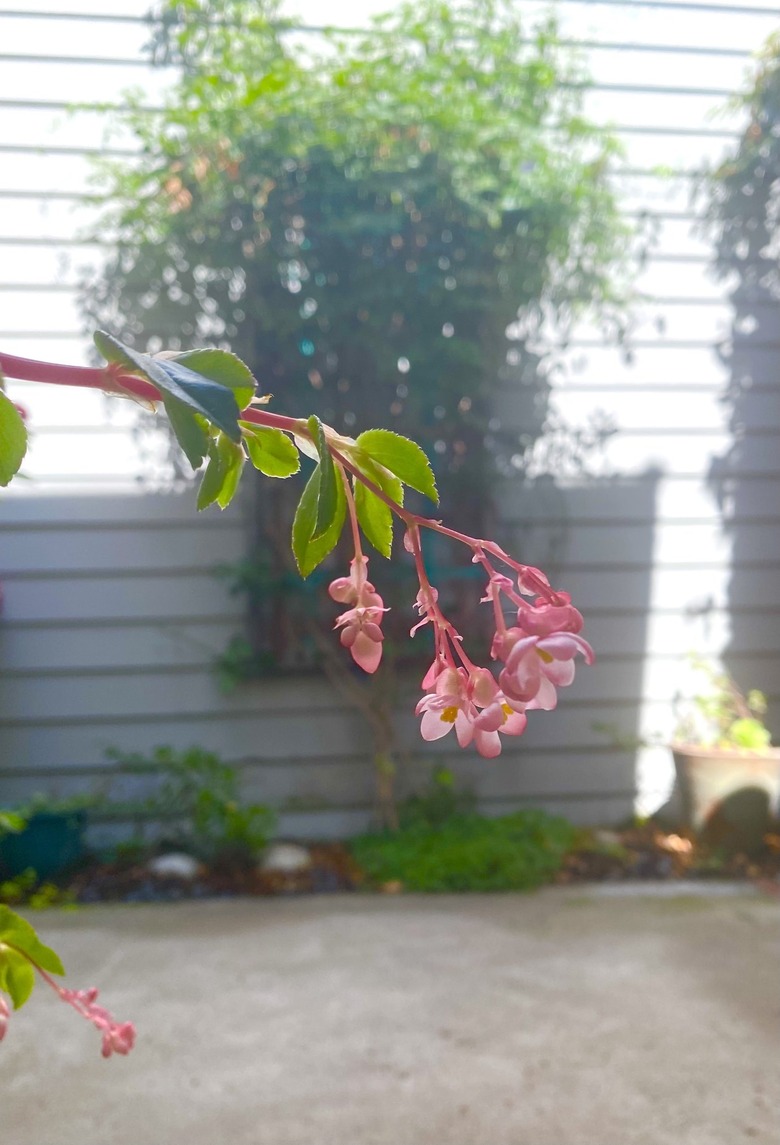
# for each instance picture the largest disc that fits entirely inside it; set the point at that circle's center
(210, 399)
(363, 480)
(23, 957)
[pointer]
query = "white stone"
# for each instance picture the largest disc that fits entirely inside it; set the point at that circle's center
(174, 865)
(286, 858)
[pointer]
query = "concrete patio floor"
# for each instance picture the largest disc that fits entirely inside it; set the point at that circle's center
(568, 1017)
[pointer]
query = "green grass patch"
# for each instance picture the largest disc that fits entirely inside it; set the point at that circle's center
(468, 852)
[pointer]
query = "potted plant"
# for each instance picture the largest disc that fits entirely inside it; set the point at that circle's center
(46, 836)
(728, 772)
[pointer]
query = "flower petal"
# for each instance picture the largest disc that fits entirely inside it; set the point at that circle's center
(349, 635)
(519, 650)
(546, 698)
(432, 726)
(488, 744)
(366, 652)
(515, 724)
(491, 719)
(560, 672)
(464, 728)
(566, 645)
(523, 683)
(482, 687)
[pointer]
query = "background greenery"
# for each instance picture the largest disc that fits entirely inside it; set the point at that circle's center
(362, 217)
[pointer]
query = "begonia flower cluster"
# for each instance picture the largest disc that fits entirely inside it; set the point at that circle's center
(534, 656)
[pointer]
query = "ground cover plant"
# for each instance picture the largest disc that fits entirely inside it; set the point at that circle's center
(468, 852)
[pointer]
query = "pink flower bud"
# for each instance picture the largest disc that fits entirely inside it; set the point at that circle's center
(543, 618)
(343, 590)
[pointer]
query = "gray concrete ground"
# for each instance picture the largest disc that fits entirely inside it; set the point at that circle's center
(563, 1018)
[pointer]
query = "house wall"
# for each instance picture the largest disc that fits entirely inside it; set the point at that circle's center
(113, 613)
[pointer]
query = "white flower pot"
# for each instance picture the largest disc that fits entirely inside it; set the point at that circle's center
(709, 776)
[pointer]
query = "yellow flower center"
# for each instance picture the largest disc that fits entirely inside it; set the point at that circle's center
(548, 659)
(449, 715)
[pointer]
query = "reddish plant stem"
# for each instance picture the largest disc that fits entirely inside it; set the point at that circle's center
(493, 592)
(474, 543)
(352, 518)
(112, 379)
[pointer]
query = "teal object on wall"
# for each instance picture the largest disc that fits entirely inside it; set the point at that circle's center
(49, 843)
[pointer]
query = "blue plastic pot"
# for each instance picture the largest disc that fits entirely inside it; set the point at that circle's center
(49, 844)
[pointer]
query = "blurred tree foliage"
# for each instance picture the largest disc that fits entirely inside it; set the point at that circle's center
(361, 217)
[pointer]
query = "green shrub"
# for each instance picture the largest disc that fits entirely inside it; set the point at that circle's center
(202, 792)
(438, 802)
(468, 853)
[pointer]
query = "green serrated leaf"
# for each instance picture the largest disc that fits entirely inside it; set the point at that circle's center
(17, 977)
(309, 550)
(224, 368)
(217, 403)
(375, 519)
(213, 476)
(402, 457)
(222, 474)
(18, 945)
(374, 516)
(13, 439)
(270, 450)
(329, 481)
(190, 432)
(232, 457)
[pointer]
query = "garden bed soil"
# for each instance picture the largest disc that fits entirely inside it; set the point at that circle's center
(638, 853)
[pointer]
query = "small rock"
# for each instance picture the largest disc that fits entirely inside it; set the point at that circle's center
(286, 859)
(175, 865)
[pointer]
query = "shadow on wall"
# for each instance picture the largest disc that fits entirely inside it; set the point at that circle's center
(743, 217)
(595, 539)
(747, 484)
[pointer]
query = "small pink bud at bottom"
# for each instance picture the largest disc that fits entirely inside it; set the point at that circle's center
(5, 1014)
(118, 1039)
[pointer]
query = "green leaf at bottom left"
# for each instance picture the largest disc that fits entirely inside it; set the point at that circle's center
(13, 439)
(20, 947)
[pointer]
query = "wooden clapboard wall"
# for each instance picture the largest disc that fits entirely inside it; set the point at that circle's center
(113, 613)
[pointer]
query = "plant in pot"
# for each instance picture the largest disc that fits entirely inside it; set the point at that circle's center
(728, 771)
(46, 836)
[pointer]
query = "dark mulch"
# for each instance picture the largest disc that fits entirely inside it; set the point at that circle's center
(647, 852)
(332, 869)
(637, 853)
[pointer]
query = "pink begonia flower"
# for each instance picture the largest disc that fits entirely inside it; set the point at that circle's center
(536, 665)
(5, 1014)
(455, 701)
(360, 625)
